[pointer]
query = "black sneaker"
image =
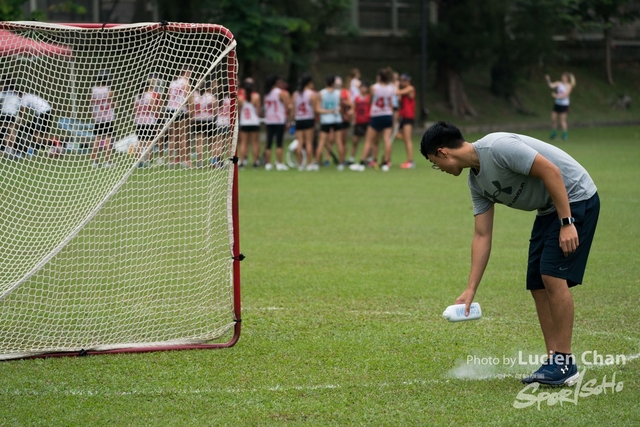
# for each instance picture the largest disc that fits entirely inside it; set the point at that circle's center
(532, 378)
(553, 373)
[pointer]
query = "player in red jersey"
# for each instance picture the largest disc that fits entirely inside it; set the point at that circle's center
(407, 94)
(346, 111)
(362, 105)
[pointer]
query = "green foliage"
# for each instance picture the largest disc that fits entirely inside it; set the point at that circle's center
(525, 28)
(461, 38)
(260, 31)
(10, 10)
(69, 7)
(603, 14)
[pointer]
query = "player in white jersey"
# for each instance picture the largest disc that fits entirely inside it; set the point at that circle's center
(178, 107)
(304, 99)
(203, 113)
(328, 107)
(223, 127)
(146, 110)
(354, 82)
(277, 104)
(250, 104)
(381, 121)
(103, 114)
(563, 88)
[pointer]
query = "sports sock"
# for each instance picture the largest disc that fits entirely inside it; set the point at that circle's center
(563, 358)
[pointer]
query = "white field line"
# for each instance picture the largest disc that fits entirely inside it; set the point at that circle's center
(157, 391)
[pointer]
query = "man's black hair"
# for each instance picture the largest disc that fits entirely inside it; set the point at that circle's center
(440, 135)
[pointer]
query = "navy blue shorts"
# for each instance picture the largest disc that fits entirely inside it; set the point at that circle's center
(305, 124)
(546, 257)
(380, 123)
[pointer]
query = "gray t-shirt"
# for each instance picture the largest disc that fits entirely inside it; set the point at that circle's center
(505, 162)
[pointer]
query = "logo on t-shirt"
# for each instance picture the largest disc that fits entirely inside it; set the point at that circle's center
(499, 190)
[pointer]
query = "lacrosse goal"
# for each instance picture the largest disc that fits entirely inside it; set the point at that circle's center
(118, 209)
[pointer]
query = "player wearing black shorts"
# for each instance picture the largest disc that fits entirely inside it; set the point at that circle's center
(528, 174)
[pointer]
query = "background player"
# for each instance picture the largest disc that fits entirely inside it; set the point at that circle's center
(250, 103)
(277, 104)
(362, 107)
(407, 115)
(103, 113)
(381, 122)
(304, 99)
(564, 87)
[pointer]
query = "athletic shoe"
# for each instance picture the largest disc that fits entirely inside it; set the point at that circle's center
(268, 166)
(564, 136)
(532, 378)
(95, 165)
(407, 165)
(301, 168)
(552, 373)
(281, 167)
(385, 167)
(553, 135)
(357, 167)
(340, 167)
(108, 164)
(372, 164)
(313, 167)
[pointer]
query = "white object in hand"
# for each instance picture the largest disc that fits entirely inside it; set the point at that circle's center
(455, 313)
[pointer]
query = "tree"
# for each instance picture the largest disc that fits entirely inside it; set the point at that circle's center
(11, 10)
(525, 29)
(459, 41)
(261, 32)
(318, 15)
(603, 15)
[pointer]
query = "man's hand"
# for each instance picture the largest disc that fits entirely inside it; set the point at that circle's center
(466, 298)
(568, 239)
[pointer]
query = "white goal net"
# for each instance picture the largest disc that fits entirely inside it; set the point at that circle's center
(118, 194)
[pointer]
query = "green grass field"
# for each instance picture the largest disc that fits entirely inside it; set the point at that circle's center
(345, 281)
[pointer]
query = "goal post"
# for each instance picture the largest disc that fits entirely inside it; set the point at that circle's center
(119, 198)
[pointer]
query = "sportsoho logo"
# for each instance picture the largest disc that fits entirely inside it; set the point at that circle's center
(529, 395)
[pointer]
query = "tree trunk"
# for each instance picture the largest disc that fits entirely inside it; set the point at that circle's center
(460, 105)
(607, 46)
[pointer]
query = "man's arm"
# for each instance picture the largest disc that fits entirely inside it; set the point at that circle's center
(480, 251)
(543, 169)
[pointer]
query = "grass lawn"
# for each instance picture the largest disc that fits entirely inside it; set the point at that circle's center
(344, 284)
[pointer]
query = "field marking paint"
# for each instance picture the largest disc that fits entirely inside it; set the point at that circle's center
(262, 308)
(106, 392)
(385, 313)
(200, 391)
